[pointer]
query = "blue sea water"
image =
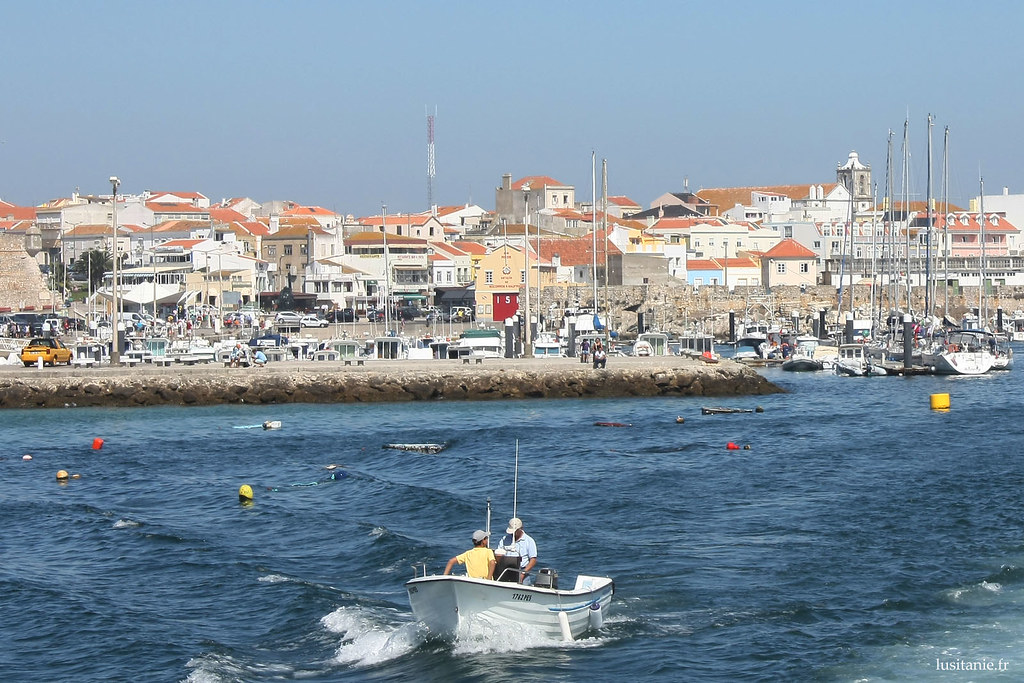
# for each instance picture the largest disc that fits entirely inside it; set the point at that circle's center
(862, 537)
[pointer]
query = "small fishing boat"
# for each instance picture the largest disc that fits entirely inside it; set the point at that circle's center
(612, 424)
(418, 447)
(451, 605)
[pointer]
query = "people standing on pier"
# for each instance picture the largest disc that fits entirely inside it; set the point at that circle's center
(585, 351)
(600, 356)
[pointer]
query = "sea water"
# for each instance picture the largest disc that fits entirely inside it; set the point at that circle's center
(861, 537)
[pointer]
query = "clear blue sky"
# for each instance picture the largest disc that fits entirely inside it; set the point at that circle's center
(325, 102)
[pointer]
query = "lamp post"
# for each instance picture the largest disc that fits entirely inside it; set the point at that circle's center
(526, 270)
(115, 351)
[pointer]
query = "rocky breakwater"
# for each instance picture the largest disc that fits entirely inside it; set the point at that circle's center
(377, 381)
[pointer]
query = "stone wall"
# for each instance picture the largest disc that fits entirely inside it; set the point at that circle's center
(60, 387)
(22, 286)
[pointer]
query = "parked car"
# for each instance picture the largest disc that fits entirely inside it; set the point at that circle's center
(409, 313)
(313, 321)
(374, 315)
(342, 315)
(290, 318)
(52, 351)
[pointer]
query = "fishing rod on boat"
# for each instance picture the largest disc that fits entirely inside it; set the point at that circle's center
(487, 524)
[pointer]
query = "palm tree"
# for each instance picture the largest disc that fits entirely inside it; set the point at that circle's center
(92, 265)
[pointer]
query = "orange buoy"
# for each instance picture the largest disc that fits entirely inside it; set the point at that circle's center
(731, 446)
(97, 443)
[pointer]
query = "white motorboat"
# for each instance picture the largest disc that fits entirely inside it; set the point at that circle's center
(854, 360)
(546, 345)
(450, 606)
(453, 606)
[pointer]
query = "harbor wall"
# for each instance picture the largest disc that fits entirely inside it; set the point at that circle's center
(377, 382)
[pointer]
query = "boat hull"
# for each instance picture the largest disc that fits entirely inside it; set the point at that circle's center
(962, 362)
(452, 605)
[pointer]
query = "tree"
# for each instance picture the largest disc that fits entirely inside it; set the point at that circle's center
(92, 265)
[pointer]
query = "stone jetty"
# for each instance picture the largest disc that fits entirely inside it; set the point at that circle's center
(375, 382)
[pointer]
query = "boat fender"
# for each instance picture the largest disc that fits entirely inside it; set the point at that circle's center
(563, 624)
(680, 419)
(731, 446)
(759, 409)
(596, 616)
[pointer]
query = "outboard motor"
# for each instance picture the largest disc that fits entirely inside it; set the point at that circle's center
(547, 578)
(506, 567)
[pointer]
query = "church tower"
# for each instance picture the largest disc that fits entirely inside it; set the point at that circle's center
(856, 177)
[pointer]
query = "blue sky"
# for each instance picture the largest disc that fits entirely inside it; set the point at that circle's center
(325, 102)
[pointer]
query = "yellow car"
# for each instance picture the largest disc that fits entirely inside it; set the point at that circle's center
(50, 350)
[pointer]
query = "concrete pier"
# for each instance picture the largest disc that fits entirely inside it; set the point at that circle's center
(375, 382)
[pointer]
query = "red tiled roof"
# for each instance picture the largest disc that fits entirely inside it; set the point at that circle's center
(378, 238)
(790, 248)
(536, 182)
(17, 213)
(726, 198)
(308, 211)
(621, 200)
(227, 215)
(575, 251)
(702, 264)
(471, 247)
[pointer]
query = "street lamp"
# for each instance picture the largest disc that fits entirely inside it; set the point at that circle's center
(115, 351)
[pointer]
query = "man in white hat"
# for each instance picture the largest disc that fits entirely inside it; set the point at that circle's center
(518, 541)
(479, 559)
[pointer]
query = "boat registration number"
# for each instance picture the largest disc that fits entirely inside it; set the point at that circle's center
(525, 597)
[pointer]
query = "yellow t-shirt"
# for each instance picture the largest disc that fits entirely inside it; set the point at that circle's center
(477, 561)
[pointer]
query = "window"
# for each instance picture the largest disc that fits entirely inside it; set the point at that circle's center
(522, 276)
(787, 231)
(489, 277)
(780, 267)
(805, 267)
(817, 244)
(302, 248)
(271, 251)
(287, 250)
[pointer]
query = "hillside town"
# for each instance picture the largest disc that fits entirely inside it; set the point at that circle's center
(180, 251)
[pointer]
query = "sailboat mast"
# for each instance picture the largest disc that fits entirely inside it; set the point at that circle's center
(928, 226)
(874, 258)
(945, 221)
(593, 224)
(982, 302)
(906, 207)
(890, 236)
(604, 221)
(387, 272)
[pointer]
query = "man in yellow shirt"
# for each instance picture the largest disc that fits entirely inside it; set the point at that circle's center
(479, 559)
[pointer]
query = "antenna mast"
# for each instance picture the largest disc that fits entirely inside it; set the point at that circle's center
(430, 160)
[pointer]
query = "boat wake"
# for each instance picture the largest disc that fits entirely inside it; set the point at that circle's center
(366, 640)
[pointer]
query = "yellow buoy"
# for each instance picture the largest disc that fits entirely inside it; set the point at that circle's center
(62, 475)
(245, 492)
(940, 401)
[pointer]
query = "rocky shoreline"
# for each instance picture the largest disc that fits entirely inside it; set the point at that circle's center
(376, 382)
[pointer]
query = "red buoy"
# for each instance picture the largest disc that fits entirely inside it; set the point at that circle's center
(97, 443)
(731, 446)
